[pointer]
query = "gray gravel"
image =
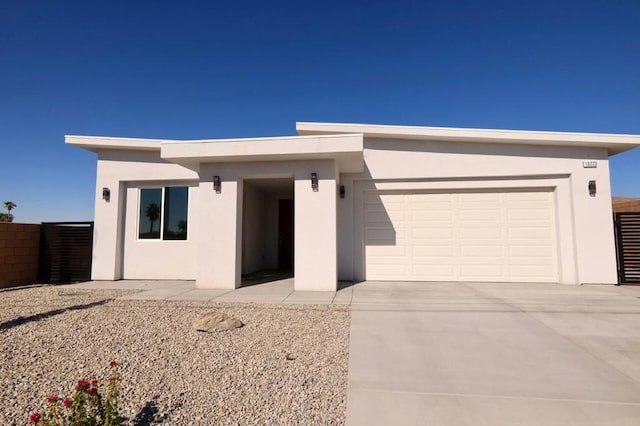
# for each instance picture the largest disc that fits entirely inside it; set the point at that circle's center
(50, 337)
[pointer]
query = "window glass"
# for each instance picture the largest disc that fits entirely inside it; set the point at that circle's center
(150, 213)
(175, 212)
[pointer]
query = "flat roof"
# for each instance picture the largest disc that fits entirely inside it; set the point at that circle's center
(614, 143)
(95, 143)
(345, 149)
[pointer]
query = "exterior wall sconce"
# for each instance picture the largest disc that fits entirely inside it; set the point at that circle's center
(341, 191)
(106, 194)
(314, 182)
(217, 186)
(592, 188)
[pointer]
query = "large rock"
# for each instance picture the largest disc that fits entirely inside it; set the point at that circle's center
(216, 321)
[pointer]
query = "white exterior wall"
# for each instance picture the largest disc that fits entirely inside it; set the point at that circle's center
(584, 223)
(220, 232)
(315, 258)
(220, 236)
(158, 259)
(114, 171)
(212, 253)
(326, 225)
(254, 230)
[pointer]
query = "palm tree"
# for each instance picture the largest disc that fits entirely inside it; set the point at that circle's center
(153, 213)
(9, 205)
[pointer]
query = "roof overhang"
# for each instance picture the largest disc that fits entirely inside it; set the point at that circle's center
(346, 150)
(97, 143)
(614, 143)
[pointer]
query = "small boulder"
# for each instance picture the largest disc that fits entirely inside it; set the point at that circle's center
(216, 321)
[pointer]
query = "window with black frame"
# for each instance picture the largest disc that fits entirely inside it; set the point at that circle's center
(163, 213)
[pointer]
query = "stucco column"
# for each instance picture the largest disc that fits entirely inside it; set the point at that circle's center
(315, 261)
(107, 231)
(220, 234)
(595, 243)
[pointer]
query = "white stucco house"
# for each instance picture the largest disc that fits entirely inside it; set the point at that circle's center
(357, 202)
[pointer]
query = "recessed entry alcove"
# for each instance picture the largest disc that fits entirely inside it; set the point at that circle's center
(267, 230)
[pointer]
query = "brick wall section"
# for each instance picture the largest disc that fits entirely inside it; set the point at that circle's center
(19, 250)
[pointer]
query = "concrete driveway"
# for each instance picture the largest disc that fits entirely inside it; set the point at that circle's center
(494, 354)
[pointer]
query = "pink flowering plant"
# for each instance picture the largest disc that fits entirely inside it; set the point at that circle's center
(87, 407)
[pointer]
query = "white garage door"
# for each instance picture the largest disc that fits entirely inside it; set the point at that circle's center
(462, 236)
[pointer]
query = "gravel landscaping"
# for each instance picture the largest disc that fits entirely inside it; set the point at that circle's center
(286, 365)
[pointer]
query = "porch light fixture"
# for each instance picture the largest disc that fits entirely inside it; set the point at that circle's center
(314, 182)
(216, 184)
(592, 188)
(341, 191)
(106, 194)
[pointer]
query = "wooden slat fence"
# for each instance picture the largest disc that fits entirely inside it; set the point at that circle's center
(627, 228)
(65, 252)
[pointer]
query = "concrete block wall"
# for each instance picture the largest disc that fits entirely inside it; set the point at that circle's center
(19, 253)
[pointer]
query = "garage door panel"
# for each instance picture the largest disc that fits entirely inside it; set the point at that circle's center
(390, 200)
(436, 272)
(525, 205)
(531, 251)
(434, 206)
(525, 214)
(378, 217)
(394, 272)
(487, 272)
(381, 252)
(430, 216)
(435, 250)
(373, 197)
(435, 260)
(541, 242)
(530, 261)
(547, 225)
(472, 236)
(478, 197)
(384, 234)
(492, 215)
(482, 251)
(382, 218)
(428, 198)
(479, 260)
(532, 273)
(481, 233)
(431, 233)
(528, 196)
(376, 207)
(535, 232)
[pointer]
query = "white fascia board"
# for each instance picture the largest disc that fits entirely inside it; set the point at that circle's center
(347, 150)
(614, 143)
(95, 143)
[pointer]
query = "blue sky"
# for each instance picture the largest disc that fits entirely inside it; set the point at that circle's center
(242, 68)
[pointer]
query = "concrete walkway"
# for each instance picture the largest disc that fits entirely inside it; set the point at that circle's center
(494, 354)
(280, 291)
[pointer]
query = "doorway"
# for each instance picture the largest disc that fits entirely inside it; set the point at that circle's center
(285, 235)
(267, 230)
